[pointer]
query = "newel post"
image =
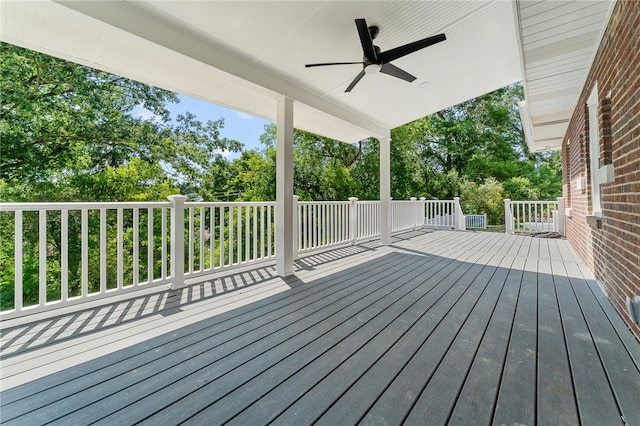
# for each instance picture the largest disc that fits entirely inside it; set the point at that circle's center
(460, 221)
(420, 212)
(177, 240)
(559, 217)
(413, 210)
(353, 219)
(296, 228)
(508, 217)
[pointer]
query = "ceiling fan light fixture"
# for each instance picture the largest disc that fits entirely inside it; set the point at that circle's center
(372, 68)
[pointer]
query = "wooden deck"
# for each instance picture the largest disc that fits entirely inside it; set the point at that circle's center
(442, 327)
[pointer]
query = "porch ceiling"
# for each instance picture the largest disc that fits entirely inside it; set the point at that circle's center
(244, 55)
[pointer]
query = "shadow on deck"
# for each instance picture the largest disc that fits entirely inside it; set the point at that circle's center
(442, 327)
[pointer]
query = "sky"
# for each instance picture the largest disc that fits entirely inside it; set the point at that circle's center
(242, 127)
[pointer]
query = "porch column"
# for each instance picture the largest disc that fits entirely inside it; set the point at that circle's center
(284, 187)
(385, 191)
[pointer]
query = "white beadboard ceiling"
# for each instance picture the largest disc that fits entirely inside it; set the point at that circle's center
(558, 42)
(246, 54)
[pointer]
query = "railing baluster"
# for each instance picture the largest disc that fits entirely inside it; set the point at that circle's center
(262, 228)
(247, 234)
(103, 250)
(150, 245)
(42, 230)
(191, 240)
(136, 246)
(163, 267)
(269, 230)
(120, 250)
(84, 253)
(254, 224)
(201, 240)
(231, 224)
(17, 250)
(222, 222)
(239, 237)
(64, 255)
(212, 234)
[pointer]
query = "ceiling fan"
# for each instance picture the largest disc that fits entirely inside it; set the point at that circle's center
(374, 60)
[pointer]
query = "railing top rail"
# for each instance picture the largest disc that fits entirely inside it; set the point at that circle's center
(228, 203)
(324, 202)
(534, 202)
(81, 205)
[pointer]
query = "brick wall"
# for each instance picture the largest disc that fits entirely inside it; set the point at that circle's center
(611, 246)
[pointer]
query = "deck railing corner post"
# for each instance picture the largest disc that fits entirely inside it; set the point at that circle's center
(459, 216)
(296, 227)
(177, 240)
(508, 217)
(559, 221)
(353, 219)
(420, 216)
(415, 216)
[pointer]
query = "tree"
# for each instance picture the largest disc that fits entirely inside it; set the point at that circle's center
(485, 198)
(71, 126)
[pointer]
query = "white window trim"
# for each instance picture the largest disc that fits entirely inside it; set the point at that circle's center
(594, 151)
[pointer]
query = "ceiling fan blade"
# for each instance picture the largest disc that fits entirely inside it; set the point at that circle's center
(392, 70)
(406, 49)
(366, 40)
(324, 64)
(355, 81)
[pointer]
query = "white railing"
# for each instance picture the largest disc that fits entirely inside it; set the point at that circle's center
(224, 235)
(367, 220)
(65, 253)
(406, 215)
(475, 221)
(69, 253)
(534, 216)
(444, 214)
(322, 224)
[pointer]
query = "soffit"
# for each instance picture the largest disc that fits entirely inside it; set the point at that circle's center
(559, 40)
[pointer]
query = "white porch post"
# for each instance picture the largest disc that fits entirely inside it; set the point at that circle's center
(177, 240)
(284, 187)
(385, 191)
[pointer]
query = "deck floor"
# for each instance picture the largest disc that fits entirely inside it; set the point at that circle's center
(442, 327)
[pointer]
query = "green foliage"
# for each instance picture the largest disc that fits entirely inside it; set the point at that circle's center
(75, 128)
(487, 197)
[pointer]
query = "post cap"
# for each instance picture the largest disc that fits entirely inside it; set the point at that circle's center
(178, 197)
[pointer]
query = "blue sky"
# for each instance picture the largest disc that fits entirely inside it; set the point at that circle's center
(237, 125)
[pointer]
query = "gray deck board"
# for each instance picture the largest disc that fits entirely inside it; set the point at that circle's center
(339, 361)
(516, 402)
(596, 404)
(556, 403)
(346, 336)
(442, 327)
(117, 392)
(620, 369)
